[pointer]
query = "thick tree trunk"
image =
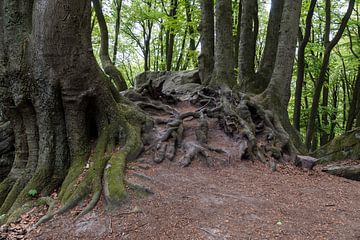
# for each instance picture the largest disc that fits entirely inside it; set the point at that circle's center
(223, 75)
(58, 102)
(206, 28)
(277, 94)
(247, 46)
(263, 75)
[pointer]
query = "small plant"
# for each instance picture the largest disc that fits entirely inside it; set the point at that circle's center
(33, 193)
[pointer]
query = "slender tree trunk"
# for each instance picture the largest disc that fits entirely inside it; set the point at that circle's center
(354, 104)
(223, 75)
(301, 66)
(170, 36)
(108, 66)
(206, 29)
(238, 33)
(190, 56)
(118, 4)
(325, 95)
(322, 77)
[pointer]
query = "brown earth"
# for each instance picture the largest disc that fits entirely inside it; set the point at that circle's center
(223, 198)
(242, 201)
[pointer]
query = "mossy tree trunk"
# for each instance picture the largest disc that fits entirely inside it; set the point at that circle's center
(59, 102)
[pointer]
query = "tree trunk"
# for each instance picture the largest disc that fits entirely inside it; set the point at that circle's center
(118, 4)
(325, 95)
(223, 74)
(267, 63)
(301, 66)
(206, 29)
(59, 102)
(277, 94)
(107, 65)
(238, 33)
(322, 77)
(170, 36)
(247, 47)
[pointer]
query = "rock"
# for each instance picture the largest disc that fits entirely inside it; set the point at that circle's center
(305, 162)
(345, 146)
(349, 172)
(178, 84)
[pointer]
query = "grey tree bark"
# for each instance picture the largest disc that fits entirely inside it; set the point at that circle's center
(247, 45)
(59, 102)
(223, 75)
(277, 94)
(206, 29)
(267, 63)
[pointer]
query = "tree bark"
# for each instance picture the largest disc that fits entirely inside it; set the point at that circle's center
(170, 36)
(247, 48)
(223, 75)
(206, 29)
(301, 66)
(59, 102)
(238, 33)
(267, 63)
(118, 4)
(277, 94)
(108, 66)
(322, 76)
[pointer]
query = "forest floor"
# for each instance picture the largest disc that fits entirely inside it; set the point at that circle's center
(230, 199)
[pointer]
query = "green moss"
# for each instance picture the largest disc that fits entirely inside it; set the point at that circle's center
(114, 178)
(73, 173)
(346, 146)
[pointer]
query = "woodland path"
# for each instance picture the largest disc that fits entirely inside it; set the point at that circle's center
(230, 199)
(245, 201)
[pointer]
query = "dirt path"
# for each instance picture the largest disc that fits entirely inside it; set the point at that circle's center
(245, 201)
(231, 199)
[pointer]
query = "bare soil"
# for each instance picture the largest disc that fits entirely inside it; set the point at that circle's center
(242, 201)
(224, 198)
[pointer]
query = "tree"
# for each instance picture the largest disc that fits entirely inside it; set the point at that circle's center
(267, 63)
(206, 28)
(59, 102)
(223, 74)
(322, 76)
(247, 46)
(301, 65)
(108, 65)
(118, 6)
(277, 94)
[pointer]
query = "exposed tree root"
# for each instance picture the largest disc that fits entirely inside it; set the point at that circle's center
(260, 136)
(121, 136)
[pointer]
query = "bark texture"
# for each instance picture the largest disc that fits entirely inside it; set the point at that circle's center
(59, 103)
(206, 28)
(247, 45)
(223, 75)
(277, 94)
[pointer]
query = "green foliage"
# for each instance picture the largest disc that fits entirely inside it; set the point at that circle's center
(146, 24)
(33, 193)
